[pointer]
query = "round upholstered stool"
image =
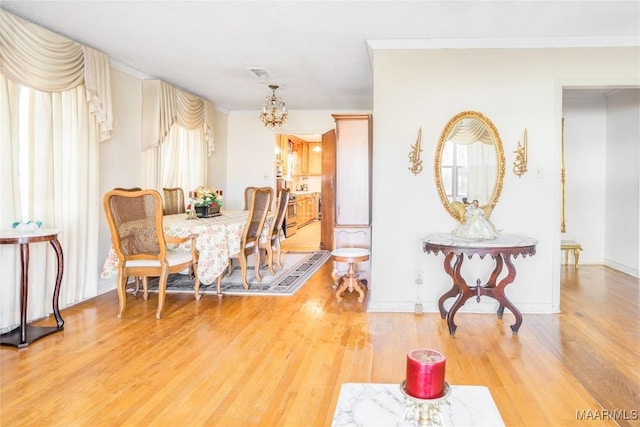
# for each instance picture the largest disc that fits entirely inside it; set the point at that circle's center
(350, 281)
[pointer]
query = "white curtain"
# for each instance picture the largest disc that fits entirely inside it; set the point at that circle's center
(184, 159)
(51, 124)
(51, 175)
(43, 60)
(176, 137)
(483, 170)
(474, 135)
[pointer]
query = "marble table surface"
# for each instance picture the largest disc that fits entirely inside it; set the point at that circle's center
(367, 404)
(503, 240)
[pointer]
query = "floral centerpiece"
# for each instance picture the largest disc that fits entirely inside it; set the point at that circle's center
(206, 201)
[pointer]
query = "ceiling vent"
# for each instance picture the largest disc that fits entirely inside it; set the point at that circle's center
(259, 72)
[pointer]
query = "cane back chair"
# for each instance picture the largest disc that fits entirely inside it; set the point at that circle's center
(173, 201)
(135, 222)
(272, 238)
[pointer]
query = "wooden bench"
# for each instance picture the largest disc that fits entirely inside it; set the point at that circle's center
(571, 245)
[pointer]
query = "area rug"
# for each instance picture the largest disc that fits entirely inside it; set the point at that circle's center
(298, 267)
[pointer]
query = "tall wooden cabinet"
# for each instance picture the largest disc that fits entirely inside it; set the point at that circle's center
(353, 169)
(346, 180)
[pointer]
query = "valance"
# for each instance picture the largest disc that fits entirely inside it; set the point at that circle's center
(43, 60)
(468, 131)
(164, 105)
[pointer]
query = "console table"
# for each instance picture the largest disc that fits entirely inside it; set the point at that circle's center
(25, 334)
(501, 249)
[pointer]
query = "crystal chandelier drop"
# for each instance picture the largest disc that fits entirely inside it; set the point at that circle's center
(274, 112)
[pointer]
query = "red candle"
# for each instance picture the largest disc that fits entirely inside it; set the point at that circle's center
(425, 374)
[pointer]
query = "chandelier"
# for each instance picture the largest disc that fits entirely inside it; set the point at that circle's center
(274, 112)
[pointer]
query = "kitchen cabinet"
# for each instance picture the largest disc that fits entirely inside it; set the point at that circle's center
(314, 153)
(282, 154)
(300, 157)
(301, 215)
(307, 157)
(307, 205)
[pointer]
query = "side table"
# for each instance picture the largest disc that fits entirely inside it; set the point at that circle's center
(350, 281)
(501, 249)
(26, 333)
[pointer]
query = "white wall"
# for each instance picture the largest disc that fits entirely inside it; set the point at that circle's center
(516, 89)
(585, 166)
(623, 181)
(121, 155)
(217, 164)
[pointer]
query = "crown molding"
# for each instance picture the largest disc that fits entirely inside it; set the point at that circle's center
(129, 70)
(505, 43)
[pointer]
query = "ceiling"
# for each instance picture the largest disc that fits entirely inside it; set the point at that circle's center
(317, 51)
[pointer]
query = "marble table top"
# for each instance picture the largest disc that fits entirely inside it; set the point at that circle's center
(350, 252)
(502, 240)
(361, 404)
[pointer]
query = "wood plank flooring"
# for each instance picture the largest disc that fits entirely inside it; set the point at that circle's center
(280, 361)
(306, 238)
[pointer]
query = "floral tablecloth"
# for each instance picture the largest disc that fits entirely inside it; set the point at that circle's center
(217, 238)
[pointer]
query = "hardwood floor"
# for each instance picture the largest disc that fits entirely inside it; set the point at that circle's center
(275, 361)
(306, 238)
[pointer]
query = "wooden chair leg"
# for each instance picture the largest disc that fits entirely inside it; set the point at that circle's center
(122, 294)
(136, 280)
(230, 269)
(145, 288)
(196, 289)
(218, 287)
(243, 270)
(256, 257)
(279, 255)
(269, 251)
(162, 290)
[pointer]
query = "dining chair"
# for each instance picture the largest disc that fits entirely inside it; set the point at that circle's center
(139, 241)
(136, 279)
(272, 239)
(173, 201)
(248, 193)
(249, 244)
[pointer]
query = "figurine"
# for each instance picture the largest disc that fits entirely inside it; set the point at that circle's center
(475, 225)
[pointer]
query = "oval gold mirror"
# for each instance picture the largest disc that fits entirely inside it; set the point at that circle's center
(469, 164)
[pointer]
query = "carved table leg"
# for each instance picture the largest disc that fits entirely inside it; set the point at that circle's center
(350, 282)
(343, 284)
(454, 291)
(464, 294)
(496, 272)
(56, 290)
(502, 298)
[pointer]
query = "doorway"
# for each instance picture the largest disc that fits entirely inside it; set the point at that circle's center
(301, 162)
(601, 198)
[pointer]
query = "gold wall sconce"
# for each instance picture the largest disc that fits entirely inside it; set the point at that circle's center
(520, 163)
(414, 155)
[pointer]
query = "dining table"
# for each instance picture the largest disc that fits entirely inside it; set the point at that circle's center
(218, 237)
